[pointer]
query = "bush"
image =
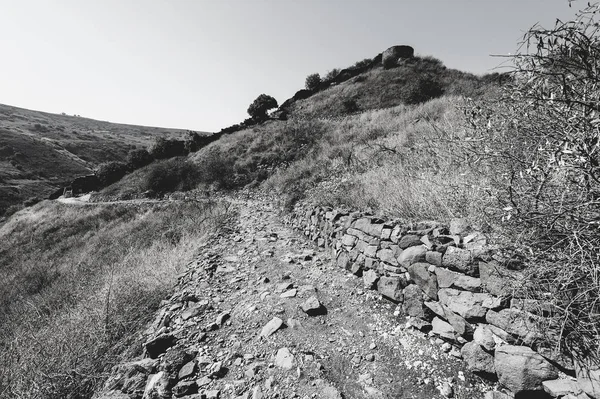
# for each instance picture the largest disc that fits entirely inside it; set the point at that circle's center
(259, 107)
(331, 75)
(542, 151)
(424, 89)
(363, 64)
(167, 148)
(350, 106)
(312, 81)
(171, 175)
(111, 172)
(138, 158)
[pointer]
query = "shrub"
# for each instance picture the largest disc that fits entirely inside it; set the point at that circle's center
(349, 106)
(363, 64)
(424, 89)
(193, 142)
(111, 172)
(331, 75)
(542, 149)
(138, 158)
(259, 107)
(172, 175)
(312, 81)
(166, 148)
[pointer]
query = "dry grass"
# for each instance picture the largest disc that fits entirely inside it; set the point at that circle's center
(80, 282)
(400, 162)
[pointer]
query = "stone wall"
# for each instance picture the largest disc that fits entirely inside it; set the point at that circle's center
(454, 288)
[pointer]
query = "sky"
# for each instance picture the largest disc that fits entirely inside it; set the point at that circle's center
(198, 64)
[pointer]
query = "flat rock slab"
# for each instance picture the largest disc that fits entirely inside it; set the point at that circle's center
(271, 327)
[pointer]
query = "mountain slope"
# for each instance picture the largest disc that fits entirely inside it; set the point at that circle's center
(41, 151)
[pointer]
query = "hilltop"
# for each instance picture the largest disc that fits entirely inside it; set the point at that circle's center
(40, 151)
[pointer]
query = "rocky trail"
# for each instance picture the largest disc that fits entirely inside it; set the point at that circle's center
(262, 312)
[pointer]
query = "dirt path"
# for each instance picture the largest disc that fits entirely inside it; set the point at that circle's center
(258, 274)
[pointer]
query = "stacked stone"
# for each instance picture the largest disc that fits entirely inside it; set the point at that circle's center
(448, 284)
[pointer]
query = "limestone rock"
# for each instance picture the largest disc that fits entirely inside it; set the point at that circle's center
(443, 329)
(391, 287)
(157, 386)
(284, 359)
(412, 255)
(388, 256)
(409, 240)
(434, 258)
(561, 387)
(495, 279)
(521, 325)
(484, 336)
(413, 301)
(478, 360)
(424, 279)
(460, 325)
(370, 278)
(185, 388)
(460, 260)
(271, 327)
(467, 304)
(365, 225)
(520, 369)
(313, 307)
(450, 279)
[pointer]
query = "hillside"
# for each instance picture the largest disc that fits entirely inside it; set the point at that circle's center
(40, 152)
(400, 230)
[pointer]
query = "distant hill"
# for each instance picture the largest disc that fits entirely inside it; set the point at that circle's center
(40, 151)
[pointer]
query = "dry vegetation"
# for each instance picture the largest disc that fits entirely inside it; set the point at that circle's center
(40, 151)
(79, 282)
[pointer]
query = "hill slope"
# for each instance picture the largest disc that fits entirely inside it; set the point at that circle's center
(41, 151)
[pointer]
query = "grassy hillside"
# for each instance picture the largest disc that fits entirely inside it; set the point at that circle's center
(80, 281)
(41, 151)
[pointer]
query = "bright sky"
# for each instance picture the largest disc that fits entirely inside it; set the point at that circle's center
(198, 64)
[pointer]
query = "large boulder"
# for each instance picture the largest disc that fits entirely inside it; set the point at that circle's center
(521, 369)
(391, 56)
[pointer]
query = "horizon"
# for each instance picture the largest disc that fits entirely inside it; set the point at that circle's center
(198, 65)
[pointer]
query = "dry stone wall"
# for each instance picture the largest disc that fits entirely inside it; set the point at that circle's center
(451, 286)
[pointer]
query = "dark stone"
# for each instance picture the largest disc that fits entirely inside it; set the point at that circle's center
(390, 56)
(158, 345)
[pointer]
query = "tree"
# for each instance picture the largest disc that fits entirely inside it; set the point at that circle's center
(540, 146)
(166, 148)
(138, 158)
(312, 81)
(259, 107)
(110, 172)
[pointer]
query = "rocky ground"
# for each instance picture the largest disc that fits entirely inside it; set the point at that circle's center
(261, 312)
